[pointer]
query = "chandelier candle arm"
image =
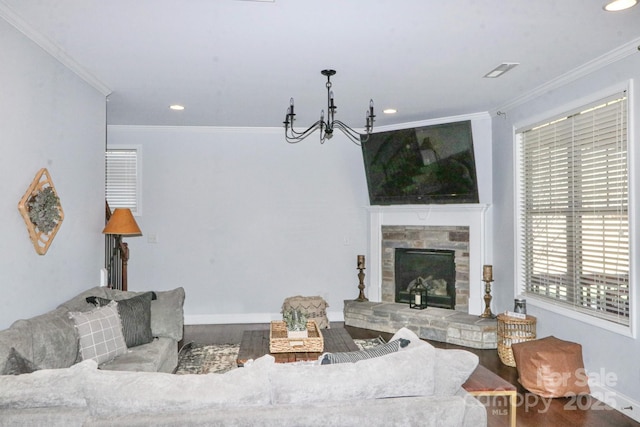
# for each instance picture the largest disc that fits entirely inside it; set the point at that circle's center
(370, 117)
(326, 127)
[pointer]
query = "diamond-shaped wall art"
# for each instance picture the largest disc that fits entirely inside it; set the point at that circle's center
(41, 210)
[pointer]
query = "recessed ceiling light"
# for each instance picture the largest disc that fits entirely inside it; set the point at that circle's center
(618, 5)
(176, 107)
(389, 111)
(501, 69)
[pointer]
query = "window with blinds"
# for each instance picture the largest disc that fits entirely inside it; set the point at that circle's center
(123, 178)
(573, 217)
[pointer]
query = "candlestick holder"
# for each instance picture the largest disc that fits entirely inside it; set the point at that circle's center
(361, 297)
(487, 314)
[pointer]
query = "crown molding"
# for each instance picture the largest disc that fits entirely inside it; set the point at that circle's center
(483, 115)
(51, 48)
(196, 129)
(608, 58)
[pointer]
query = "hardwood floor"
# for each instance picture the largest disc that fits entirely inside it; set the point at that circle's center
(532, 410)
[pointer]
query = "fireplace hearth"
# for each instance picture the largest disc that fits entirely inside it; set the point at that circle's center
(435, 269)
(437, 324)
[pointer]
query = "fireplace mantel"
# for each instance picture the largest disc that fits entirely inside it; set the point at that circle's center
(468, 215)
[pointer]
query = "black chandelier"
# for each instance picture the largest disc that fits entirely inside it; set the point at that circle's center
(327, 127)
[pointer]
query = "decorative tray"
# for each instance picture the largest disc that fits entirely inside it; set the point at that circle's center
(280, 342)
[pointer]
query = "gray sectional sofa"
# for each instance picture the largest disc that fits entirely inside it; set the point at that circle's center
(50, 341)
(418, 385)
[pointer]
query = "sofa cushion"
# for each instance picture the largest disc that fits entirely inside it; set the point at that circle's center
(160, 355)
(114, 393)
(79, 302)
(13, 338)
(354, 356)
(135, 315)
(16, 364)
(100, 333)
(408, 334)
(167, 313)
(403, 373)
(54, 343)
(409, 411)
(452, 367)
(45, 388)
(59, 416)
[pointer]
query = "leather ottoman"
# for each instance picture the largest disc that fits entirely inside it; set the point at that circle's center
(551, 367)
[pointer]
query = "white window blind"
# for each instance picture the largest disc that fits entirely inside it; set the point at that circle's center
(574, 221)
(122, 179)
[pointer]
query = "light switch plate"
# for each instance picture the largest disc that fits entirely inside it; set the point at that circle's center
(103, 277)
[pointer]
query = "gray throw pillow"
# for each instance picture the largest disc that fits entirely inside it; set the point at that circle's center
(135, 315)
(354, 356)
(167, 313)
(17, 364)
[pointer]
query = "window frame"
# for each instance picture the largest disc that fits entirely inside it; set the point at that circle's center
(138, 149)
(629, 330)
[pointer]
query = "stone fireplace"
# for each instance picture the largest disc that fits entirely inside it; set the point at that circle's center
(457, 229)
(436, 254)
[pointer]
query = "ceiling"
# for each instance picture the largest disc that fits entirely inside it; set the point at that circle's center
(237, 63)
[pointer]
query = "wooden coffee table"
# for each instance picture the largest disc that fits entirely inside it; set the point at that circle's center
(255, 344)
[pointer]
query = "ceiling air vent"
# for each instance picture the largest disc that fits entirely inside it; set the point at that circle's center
(501, 69)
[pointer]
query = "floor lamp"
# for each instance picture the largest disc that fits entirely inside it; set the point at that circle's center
(122, 223)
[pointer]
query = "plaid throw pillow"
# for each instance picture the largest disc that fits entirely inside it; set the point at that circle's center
(100, 333)
(354, 356)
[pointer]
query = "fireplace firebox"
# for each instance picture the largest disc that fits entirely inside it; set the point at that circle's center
(434, 268)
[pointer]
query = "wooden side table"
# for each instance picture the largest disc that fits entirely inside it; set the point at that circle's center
(483, 382)
(512, 330)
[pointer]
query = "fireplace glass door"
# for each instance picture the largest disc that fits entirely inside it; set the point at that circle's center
(434, 268)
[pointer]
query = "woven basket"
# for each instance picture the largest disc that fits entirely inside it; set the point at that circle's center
(512, 330)
(279, 341)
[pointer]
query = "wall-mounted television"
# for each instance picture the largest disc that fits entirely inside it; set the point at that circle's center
(424, 165)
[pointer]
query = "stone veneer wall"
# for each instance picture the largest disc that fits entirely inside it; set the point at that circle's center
(454, 238)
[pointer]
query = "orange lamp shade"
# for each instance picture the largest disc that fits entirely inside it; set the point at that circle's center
(122, 222)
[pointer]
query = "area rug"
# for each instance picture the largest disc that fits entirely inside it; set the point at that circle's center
(218, 359)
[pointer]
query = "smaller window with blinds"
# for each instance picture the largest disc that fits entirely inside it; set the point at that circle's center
(123, 177)
(573, 191)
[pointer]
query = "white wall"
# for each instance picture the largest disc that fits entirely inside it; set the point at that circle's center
(49, 118)
(602, 350)
(244, 219)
